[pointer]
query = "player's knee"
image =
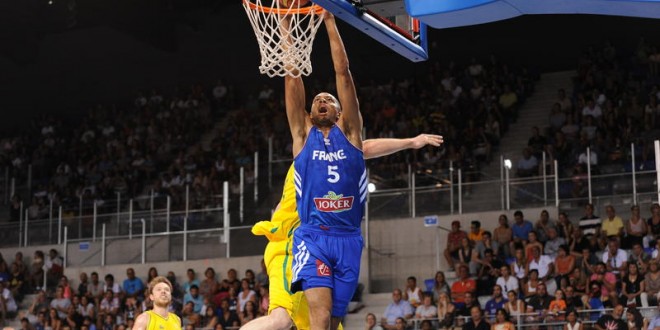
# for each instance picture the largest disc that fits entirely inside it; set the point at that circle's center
(319, 317)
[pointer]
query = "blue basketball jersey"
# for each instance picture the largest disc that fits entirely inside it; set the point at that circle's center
(331, 180)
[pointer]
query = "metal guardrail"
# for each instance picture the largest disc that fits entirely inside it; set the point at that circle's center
(539, 319)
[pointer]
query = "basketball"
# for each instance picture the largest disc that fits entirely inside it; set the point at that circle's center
(292, 3)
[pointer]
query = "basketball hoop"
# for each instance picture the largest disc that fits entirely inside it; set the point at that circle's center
(285, 35)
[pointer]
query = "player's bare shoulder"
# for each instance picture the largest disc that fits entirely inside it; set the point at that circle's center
(142, 321)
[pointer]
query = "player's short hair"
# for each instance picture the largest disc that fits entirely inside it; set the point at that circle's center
(157, 280)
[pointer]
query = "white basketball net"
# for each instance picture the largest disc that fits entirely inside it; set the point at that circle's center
(284, 50)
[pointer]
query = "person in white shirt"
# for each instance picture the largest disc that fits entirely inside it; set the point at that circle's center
(546, 268)
(426, 310)
(506, 281)
(615, 258)
(413, 293)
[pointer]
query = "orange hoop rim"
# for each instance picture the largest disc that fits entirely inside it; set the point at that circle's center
(282, 11)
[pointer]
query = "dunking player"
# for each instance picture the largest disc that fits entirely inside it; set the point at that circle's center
(286, 307)
(331, 187)
(159, 318)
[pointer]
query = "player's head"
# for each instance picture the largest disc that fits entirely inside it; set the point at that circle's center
(160, 291)
(325, 110)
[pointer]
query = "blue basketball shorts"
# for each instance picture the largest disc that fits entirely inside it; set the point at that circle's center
(330, 258)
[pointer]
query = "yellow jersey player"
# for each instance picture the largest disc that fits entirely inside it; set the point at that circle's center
(285, 308)
(159, 318)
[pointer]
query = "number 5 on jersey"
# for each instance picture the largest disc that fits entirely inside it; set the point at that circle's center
(332, 173)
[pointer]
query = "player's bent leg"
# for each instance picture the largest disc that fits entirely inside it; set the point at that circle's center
(278, 319)
(320, 305)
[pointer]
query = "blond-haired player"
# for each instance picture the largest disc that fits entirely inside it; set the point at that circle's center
(159, 318)
(285, 308)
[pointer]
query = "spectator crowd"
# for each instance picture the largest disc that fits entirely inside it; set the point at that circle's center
(103, 301)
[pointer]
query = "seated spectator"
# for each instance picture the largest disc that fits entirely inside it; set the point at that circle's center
(465, 308)
(564, 264)
(454, 241)
(543, 264)
(446, 312)
(476, 322)
(249, 312)
(502, 321)
(399, 324)
(572, 321)
(532, 243)
(519, 265)
(463, 285)
(9, 307)
(37, 272)
(398, 308)
(54, 265)
(503, 236)
(515, 307)
(488, 273)
(60, 303)
(190, 275)
(530, 287)
(506, 281)
(17, 283)
(639, 257)
(245, 295)
(652, 282)
(487, 243)
(573, 301)
(590, 224)
(540, 301)
(528, 165)
(615, 259)
(111, 285)
(209, 319)
(95, 288)
(543, 224)
(413, 293)
(426, 310)
(86, 308)
(194, 297)
(39, 305)
(612, 226)
(53, 321)
(476, 232)
(635, 228)
(73, 318)
(606, 281)
(371, 323)
(108, 309)
(634, 319)
(496, 302)
(633, 291)
(82, 285)
(558, 305)
(468, 256)
(553, 243)
(612, 321)
(440, 285)
(521, 229)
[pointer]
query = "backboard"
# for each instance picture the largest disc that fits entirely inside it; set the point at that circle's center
(385, 21)
(402, 24)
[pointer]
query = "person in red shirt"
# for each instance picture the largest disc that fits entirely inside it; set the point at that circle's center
(463, 285)
(454, 243)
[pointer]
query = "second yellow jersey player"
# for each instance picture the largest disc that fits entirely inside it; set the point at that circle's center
(277, 257)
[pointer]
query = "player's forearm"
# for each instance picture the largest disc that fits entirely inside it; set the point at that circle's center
(375, 148)
(337, 50)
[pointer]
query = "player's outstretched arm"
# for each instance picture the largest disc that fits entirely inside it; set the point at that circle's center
(375, 148)
(350, 120)
(294, 96)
